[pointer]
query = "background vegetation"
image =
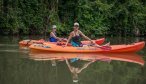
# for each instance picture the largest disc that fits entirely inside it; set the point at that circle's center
(97, 17)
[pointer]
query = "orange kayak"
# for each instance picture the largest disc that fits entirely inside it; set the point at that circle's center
(132, 57)
(134, 47)
(29, 42)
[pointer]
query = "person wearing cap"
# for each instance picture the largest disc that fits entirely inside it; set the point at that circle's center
(53, 37)
(74, 36)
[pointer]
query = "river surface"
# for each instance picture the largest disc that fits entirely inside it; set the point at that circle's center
(20, 66)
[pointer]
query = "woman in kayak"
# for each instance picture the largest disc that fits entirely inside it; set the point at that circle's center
(53, 37)
(74, 36)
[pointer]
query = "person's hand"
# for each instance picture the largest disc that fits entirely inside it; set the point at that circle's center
(92, 43)
(60, 39)
(64, 39)
(64, 46)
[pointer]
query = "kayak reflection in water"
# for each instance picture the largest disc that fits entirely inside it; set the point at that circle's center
(53, 37)
(75, 71)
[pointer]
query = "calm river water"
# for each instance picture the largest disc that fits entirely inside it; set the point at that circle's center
(19, 66)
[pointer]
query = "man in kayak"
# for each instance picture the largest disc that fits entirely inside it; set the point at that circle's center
(53, 37)
(75, 35)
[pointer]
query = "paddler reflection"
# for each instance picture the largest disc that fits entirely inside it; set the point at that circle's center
(78, 62)
(76, 70)
(53, 62)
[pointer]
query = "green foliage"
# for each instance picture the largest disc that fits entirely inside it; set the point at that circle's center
(98, 17)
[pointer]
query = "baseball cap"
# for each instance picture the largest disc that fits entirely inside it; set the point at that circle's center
(54, 26)
(76, 24)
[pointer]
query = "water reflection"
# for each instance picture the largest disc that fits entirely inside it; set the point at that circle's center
(24, 47)
(8, 45)
(76, 70)
(127, 57)
(73, 60)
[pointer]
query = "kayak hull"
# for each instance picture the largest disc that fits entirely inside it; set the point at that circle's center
(135, 47)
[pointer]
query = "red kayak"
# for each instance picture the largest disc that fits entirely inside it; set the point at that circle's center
(27, 43)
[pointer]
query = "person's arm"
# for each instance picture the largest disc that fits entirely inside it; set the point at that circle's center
(53, 35)
(70, 36)
(69, 66)
(85, 66)
(83, 35)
